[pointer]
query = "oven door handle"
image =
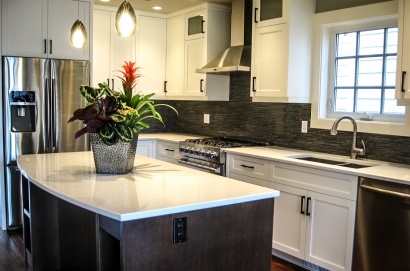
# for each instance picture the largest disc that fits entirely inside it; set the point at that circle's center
(214, 170)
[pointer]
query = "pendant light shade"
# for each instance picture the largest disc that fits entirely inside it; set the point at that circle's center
(125, 20)
(78, 36)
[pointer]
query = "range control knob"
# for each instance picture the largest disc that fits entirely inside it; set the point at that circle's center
(213, 155)
(182, 148)
(201, 152)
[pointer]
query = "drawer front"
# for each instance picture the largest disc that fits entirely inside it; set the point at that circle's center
(251, 180)
(167, 149)
(322, 181)
(248, 166)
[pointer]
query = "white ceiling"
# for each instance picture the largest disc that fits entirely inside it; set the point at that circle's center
(168, 6)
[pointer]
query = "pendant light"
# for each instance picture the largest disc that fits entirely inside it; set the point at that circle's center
(78, 37)
(125, 20)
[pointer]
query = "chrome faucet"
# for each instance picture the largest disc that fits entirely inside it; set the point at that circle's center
(355, 151)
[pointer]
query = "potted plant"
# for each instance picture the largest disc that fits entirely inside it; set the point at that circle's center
(114, 119)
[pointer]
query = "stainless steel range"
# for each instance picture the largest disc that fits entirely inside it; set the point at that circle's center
(208, 154)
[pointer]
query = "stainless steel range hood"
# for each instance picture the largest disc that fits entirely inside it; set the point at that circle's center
(238, 56)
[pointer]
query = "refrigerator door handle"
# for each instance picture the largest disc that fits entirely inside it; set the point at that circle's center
(48, 110)
(53, 115)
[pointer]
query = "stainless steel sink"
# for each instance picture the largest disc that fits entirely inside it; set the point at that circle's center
(334, 162)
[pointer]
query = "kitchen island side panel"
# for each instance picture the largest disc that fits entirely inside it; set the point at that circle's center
(234, 237)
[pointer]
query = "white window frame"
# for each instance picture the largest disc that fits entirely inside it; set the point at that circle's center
(326, 24)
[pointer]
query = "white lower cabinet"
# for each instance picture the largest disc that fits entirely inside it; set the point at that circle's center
(319, 234)
(314, 215)
(168, 151)
(147, 147)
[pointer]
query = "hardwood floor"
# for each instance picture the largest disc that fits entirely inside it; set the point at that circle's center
(12, 254)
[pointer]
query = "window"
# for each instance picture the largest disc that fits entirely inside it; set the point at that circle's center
(365, 72)
(353, 71)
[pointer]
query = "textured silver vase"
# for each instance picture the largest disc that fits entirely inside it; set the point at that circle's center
(113, 159)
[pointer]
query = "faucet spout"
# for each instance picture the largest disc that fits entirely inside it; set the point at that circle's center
(354, 151)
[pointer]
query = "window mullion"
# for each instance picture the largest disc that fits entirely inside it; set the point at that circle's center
(356, 72)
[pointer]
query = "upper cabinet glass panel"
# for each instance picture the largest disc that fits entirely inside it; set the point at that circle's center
(271, 9)
(195, 25)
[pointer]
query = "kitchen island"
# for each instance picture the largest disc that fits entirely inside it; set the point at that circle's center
(160, 216)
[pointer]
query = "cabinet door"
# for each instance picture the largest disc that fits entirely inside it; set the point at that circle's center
(61, 16)
(146, 148)
(151, 47)
(195, 55)
(329, 232)
(195, 24)
(269, 12)
(101, 46)
(403, 55)
(289, 220)
(269, 62)
(122, 49)
(24, 28)
(175, 55)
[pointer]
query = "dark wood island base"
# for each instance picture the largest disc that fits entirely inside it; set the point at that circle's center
(59, 235)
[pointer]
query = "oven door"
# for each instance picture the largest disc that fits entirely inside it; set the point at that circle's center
(206, 166)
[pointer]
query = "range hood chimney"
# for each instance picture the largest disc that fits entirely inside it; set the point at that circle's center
(238, 56)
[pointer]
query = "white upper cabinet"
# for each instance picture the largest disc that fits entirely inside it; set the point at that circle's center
(281, 50)
(109, 50)
(175, 58)
(151, 53)
(269, 12)
(403, 55)
(41, 28)
(196, 36)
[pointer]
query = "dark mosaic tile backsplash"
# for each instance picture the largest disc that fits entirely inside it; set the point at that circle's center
(278, 123)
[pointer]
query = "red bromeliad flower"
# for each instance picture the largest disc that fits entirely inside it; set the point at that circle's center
(131, 74)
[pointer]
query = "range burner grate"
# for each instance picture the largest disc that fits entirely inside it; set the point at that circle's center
(224, 142)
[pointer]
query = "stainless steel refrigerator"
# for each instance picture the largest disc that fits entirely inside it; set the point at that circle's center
(39, 96)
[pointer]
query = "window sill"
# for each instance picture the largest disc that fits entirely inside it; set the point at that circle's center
(373, 127)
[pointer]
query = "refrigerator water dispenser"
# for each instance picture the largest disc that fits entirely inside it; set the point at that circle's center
(22, 111)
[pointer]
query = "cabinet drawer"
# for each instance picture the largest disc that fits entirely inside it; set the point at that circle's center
(168, 149)
(322, 181)
(248, 166)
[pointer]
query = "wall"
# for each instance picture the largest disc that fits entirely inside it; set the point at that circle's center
(277, 123)
(327, 5)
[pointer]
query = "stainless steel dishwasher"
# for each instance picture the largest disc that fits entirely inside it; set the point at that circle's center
(382, 231)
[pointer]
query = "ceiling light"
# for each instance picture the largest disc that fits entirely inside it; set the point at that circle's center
(78, 37)
(105, 0)
(125, 20)
(157, 7)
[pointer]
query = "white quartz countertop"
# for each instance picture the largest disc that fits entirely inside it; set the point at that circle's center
(152, 189)
(378, 170)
